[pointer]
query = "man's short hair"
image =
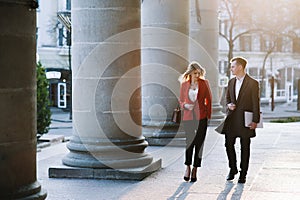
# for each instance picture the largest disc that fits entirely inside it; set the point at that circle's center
(240, 60)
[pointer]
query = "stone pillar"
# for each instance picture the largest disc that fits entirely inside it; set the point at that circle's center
(164, 58)
(107, 140)
(18, 102)
(204, 33)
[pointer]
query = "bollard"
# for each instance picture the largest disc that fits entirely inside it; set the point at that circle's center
(272, 94)
(298, 101)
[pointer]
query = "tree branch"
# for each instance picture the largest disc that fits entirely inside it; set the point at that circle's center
(246, 32)
(224, 36)
(198, 14)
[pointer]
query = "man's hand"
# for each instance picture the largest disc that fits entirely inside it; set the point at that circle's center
(231, 106)
(253, 125)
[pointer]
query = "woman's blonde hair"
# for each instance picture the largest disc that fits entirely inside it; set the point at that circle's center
(192, 67)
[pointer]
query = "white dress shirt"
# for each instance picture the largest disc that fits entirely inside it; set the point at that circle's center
(238, 85)
(193, 94)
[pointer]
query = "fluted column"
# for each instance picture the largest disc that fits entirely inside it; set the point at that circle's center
(204, 33)
(106, 90)
(164, 58)
(18, 101)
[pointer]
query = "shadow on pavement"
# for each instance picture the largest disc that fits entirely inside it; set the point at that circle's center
(237, 194)
(181, 192)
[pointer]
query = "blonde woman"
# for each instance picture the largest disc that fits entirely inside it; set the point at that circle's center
(195, 101)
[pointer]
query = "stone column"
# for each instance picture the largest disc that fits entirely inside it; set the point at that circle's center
(164, 58)
(18, 102)
(204, 33)
(107, 140)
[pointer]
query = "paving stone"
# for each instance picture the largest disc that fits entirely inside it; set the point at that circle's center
(274, 172)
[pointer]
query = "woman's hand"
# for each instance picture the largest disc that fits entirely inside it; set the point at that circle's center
(189, 106)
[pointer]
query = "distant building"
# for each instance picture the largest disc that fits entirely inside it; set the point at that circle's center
(283, 63)
(53, 49)
(54, 40)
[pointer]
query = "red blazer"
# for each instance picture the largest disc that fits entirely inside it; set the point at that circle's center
(202, 108)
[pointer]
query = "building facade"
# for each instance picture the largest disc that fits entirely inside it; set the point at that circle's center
(263, 36)
(54, 52)
(54, 49)
(283, 64)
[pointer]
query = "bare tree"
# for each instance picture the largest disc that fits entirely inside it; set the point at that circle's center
(236, 19)
(277, 22)
(271, 20)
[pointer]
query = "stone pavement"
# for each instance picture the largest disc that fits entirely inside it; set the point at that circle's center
(274, 171)
(281, 111)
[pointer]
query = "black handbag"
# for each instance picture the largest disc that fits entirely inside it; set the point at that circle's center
(176, 117)
(220, 127)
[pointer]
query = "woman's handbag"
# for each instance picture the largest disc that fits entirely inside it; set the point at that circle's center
(176, 117)
(220, 127)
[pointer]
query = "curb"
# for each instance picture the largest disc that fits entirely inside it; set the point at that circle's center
(60, 120)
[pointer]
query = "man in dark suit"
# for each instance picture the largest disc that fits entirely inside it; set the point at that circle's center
(242, 95)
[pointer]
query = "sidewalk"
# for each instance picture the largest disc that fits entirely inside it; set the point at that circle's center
(281, 111)
(274, 172)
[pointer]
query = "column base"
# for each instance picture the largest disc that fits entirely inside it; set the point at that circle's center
(170, 135)
(174, 142)
(38, 196)
(166, 139)
(28, 192)
(109, 174)
(217, 115)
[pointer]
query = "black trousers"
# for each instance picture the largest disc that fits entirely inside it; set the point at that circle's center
(231, 154)
(195, 131)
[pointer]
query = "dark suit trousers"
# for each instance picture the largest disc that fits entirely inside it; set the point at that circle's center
(231, 154)
(195, 132)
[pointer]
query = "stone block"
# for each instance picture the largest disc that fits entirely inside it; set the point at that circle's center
(111, 174)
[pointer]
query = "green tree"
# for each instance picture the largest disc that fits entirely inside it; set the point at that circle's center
(43, 102)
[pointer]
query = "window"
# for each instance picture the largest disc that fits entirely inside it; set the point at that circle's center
(68, 4)
(64, 36)
(255, 43)
(286, 44)
(254, 72)
(223, 27)
(223, 65)
(279, 44)
(265, 43)
(60, 36)
(296, 45)
(245, 43)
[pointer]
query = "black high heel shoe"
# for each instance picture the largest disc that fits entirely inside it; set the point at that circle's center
(194, 175)
(187, 178)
